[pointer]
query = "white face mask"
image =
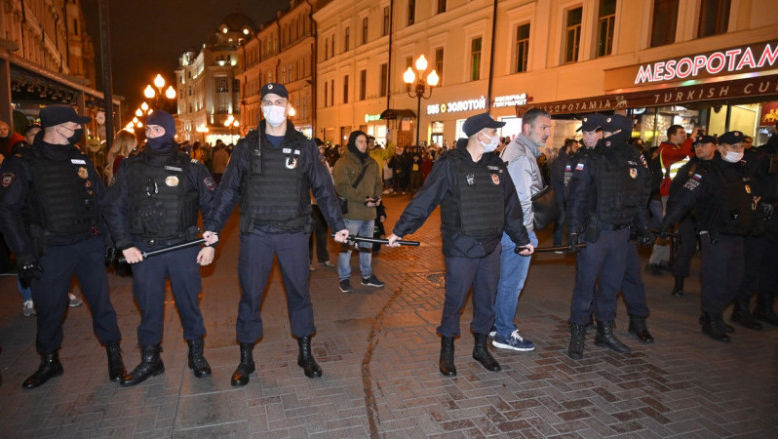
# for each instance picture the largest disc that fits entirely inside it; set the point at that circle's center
(733, 157)
(492, 145)
(275, 115)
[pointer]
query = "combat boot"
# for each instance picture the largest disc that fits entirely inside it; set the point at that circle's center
(678, 287)
(197, 361)
(713, 326)
(606, 338)
(116, 369)
(742, 316)
(446, 363)
(246, 366)
(577, 337)
(481, 354)
(150, 365)
(637, 327)
(764, 310)
(305, 358)
(50, 367)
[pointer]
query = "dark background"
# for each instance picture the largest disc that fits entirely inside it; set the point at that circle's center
(148, 36)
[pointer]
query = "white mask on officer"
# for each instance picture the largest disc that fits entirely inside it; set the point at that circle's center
(733, 157)
(492, 145)
(275, 115)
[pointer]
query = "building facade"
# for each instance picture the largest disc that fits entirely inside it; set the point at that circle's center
(691, 62)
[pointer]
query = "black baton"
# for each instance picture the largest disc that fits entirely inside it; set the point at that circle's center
(559, 248)
(145, 255)
(357, 239)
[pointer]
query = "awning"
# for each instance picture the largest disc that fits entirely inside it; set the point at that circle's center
(392, 114)
(756, 87)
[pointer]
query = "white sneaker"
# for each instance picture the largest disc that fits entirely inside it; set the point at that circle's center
(492, 333)
(28, 308)
(514, 342)
(73, 301)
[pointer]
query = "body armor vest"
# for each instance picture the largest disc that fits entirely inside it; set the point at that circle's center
(731, 211)
(275, 191)
(163, 201)
(617, 185)
(476, 206)
(62, 195)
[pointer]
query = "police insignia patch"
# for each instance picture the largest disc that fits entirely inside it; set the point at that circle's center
(633, 173)
(691, 184)
(171, 181)
(568, 168)
(579, 167)
(470, 179)
(87, 184)
(209, 183)
(291, 162)
(7, 179)
(496, 179)
(83, 173)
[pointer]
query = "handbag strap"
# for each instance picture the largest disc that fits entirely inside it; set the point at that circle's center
(359, 177)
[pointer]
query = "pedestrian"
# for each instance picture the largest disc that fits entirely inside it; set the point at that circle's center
(725, 212)
(521, 156)
(416, 177)
(123, 145)
(220, 159)
(607, 195)
(272, 171)
(64, 236)
(358, 180)
(398, 170)
(478, 202)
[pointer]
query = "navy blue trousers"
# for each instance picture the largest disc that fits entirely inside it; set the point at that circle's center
(482, 274)
(753, 251)
(148, 287)
(722, 270)
(85, 260)
(601, 262)
(687, 245)
(632, 287)
(256, 259)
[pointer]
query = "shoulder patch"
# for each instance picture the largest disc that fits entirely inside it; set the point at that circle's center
(579, 167)
(194, 161)
(209, 183)
(7, 178)
(691, 184)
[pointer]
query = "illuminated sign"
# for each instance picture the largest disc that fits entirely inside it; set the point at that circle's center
(455, 106)
(372, 117)
(510, 100)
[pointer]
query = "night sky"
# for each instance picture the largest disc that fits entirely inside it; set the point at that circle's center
(148, 36)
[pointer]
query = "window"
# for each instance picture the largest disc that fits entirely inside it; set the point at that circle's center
(221, 85)
(384, 79)
(573, 34)
(345, 89)
(605, 27)
(236, 85)
(665, 18)
(408, 62)
(326, 85)
(332, 92)
(441, 7)
(475, 59)
(326, 48)
(439, 64)
(332, 46)
(385, 27)
(714, 16)
(522, 48)
(411, 12)
(75, 27)
(346, 39)
(364, 30)
(362, 84)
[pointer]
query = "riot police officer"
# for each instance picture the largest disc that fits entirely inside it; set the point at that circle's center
(478, 201)
(154, 204)
(50, 216)
(272, 172)
(607, 195)
(725, 211)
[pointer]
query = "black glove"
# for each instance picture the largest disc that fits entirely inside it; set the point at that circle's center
(573, 240)
(29, 272)
(646, 237)
(110, 256)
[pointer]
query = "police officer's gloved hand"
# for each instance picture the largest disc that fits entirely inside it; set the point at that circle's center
(573, 240)
(28, 272)
(110, 256)
(646, 237)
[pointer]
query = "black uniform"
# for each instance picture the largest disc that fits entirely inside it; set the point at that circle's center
(50, 214)
(154, 204)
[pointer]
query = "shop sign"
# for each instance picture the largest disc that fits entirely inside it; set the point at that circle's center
(754, 57)
(456, 106)
(769, 114)
(510, 100)
(371, 117)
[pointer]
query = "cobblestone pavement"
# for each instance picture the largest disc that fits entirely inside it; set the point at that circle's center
(379, 351)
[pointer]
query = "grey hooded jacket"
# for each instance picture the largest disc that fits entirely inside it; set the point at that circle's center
(521, 158)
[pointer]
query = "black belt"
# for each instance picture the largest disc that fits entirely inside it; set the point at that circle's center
(604, 226)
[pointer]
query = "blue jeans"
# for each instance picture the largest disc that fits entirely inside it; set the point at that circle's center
(357, 228)
(513, 274)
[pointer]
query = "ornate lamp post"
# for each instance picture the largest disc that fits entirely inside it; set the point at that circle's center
(159, 84)
(418, 86)
(231, 123)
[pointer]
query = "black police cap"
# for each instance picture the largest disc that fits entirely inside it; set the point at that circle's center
(704, 138)
(59, 114)
(732, 137)
(474, 124)
(591, 122)
(274, 88)
(617, 122)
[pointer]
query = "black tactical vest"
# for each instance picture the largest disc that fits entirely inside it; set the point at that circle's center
(63, 201)
(163, 201)
(476, 205)
(275, 191)
(617, 185)
(731, 211)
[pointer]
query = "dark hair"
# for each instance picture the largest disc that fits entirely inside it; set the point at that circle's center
(532, 114)
(369, 138)
(352, 138)
(569, 142)
(672, 130)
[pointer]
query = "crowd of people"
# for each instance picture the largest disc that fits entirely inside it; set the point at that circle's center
(63, 217)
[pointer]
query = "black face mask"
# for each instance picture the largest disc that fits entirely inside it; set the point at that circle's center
(159, 143)
(77, 134)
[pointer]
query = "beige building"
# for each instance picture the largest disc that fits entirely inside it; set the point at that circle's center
(691, 62)
(207, 90)
(281, 51)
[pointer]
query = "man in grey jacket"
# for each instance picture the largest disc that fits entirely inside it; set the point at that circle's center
(521, 158)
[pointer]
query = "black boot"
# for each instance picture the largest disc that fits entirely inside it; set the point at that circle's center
(446, 363)
(116, 368)
(606, 338)
(637, 326)
(197, 361)
(678, 288)
(713, 326)
(742, 315)
(577, 337)
(482, 355)
(305, 358)
(764, 310)
(50, 367)
(150, 365)
(246, 366)
(729, 329)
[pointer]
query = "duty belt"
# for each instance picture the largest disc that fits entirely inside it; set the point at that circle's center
(604, 226)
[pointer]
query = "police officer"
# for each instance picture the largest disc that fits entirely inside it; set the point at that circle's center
(50, 215)
(478, 201)
(607, 195)
(272, 172)
(725, 211)
(154, 204)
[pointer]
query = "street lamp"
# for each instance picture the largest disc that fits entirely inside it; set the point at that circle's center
(159, 84)
(231, 123)
(422, 85)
